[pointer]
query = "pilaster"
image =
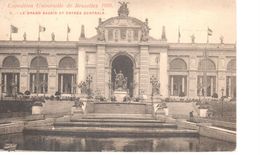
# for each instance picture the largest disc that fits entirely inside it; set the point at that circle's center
(81, 67)
(100, 66)
(144, 78)
(163, 74)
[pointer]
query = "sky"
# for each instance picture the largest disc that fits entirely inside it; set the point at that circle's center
(190, 16)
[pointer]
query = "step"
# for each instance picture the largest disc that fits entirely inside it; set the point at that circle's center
(117, 120)
(114, 124)
(111, 132)
(121, 116)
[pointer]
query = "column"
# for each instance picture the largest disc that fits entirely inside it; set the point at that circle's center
(201, 86)
(229, 86)
(171, 86)
(33, 82)
(16, 83)
(1, 86)
(81, 67)
(100, 72)
(211, 85)
(44, 80)
(5, 83)
(61, 83)
(163, 73)
(72, 84)
(183, 84)
(144, 78)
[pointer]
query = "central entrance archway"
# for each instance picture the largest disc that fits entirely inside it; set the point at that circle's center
(125, 64)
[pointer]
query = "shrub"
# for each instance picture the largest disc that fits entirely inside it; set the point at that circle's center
(52, 97)
(57, 94)
(113, 98)
(167, 99)
(215, 95)
(182, 94)
(37, 103)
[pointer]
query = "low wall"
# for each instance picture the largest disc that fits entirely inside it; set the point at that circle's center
(206, 129)
(57, 107)
(218, 133)
(45, 122)
(228, 125)
(12, 127)
(186, 125)
(119, 108)
(26, 118)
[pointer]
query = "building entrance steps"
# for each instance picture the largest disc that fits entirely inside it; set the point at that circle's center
(115, 116)
(115, 124)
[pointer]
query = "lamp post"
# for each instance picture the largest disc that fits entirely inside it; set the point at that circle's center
(89, 81)
(155, 87)
(222, 100)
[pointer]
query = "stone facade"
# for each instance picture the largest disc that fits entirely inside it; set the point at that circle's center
(183, 69)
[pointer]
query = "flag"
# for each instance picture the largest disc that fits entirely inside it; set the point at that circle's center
(179, 35)
(41, 28)
(14, 29)
(68, 29)
(210, 32)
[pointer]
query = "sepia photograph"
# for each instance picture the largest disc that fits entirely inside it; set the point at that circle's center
(118, 75)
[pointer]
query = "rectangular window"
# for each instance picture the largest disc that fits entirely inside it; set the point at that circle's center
(67, 83)
(39, 81)
(123, 33)
(135, 35)
(231, 86)
(178, 85)
(10, 83)
(209, 84)
(110, 35)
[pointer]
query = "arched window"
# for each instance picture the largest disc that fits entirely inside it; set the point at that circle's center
(231, 66)
(207, 64)
(67, 63)
(11, 62)
(39, 62)
(178, 65)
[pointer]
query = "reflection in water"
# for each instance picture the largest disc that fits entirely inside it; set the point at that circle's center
(128, 144)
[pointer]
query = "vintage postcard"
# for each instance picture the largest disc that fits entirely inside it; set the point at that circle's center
(118, 75)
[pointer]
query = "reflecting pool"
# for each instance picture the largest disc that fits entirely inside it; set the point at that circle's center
(129, 144)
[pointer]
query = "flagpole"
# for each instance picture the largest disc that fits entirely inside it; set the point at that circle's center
(68, 31)
(10, 32)
(179, 34)
(208, 35)
(39, 33)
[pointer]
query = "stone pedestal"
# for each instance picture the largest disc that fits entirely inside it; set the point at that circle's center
(36, 110)
(203, 112)
(120, 95)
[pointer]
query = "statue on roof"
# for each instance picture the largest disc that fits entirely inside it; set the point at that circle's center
(100, 33)
(123, 9)
(145, 33)
(52, 36)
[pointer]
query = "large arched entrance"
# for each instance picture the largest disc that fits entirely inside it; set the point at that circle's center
(125, 64)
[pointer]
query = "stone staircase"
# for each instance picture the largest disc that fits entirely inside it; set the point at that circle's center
(114, 125)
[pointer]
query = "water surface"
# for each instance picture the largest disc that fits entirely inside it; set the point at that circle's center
(128, 144)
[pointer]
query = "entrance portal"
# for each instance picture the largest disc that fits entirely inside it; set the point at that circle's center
(123, 63)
